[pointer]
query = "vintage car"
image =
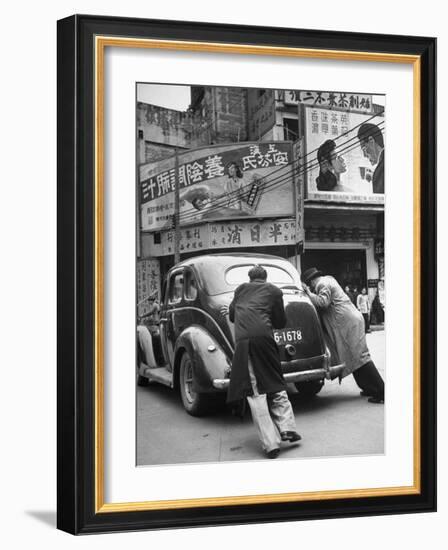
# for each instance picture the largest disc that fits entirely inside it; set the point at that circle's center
(195, 342)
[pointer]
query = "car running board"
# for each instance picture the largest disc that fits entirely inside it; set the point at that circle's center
(161, 375)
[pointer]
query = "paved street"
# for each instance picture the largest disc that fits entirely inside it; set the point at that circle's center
(338, 421)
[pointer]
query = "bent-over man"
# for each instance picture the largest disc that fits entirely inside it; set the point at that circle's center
(256, 309)
(344, 327)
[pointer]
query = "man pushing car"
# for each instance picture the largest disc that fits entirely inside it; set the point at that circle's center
(256, 309)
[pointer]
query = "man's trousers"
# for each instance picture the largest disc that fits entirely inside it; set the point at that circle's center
(369, 380)
(271, 413)
(145, 342)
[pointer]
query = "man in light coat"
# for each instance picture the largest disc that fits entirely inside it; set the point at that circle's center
(344, 326)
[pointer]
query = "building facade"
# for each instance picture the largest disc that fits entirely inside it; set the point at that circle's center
(343, 232)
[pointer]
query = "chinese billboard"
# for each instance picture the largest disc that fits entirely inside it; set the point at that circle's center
(238, 180)
(331, 100)
(231, 234)
(336, 167)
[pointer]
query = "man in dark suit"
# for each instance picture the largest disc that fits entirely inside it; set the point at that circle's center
(256, 309)
(372, 144)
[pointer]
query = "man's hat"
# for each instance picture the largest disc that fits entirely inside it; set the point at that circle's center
(310, 274)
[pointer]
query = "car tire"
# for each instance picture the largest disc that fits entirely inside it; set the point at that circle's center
(196, 404)
(307, 390)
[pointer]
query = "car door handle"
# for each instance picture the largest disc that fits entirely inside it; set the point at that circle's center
(163, 320)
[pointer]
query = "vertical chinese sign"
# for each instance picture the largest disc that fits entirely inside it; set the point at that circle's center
(299, 179)
(148, 283)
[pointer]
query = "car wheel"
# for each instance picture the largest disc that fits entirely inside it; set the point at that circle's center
(307, 390)
(196, 404)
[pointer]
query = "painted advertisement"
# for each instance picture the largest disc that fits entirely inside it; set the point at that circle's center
(338, 167)
(238, 180)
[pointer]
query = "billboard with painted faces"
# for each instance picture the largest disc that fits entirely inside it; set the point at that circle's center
(219, 182)
(344, 156)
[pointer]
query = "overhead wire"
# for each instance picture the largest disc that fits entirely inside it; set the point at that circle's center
(233, 197)
(277, 181)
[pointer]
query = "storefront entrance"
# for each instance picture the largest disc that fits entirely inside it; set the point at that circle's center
(348, 267)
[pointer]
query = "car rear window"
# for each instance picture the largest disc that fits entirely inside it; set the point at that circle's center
(218, 277)
(237, 275)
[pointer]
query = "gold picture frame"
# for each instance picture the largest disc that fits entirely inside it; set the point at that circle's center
(81, 461)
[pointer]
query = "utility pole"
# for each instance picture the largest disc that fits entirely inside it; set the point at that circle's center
(295, 180)
(176, 208)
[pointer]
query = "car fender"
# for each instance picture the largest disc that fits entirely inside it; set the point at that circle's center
(209, 359)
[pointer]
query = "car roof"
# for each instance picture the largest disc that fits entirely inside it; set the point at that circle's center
(230, 258)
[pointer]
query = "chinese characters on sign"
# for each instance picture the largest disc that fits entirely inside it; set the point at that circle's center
(148, 283)
(192, 239)
(223, 181)
(265, 233)
(329, 123)
(271, 157)
(232, 235)
(331, 100)
(298, 154)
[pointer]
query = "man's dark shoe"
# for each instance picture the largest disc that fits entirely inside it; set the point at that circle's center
(375, 400)
(290, 436)
(274, 453)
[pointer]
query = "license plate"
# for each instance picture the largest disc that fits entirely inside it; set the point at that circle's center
(288, 336)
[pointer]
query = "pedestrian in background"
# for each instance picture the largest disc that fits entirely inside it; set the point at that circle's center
(147, 324)
(152, 315)
(377, 311)
(363, 304)
(257, 308)
(344, 327)
(354, 295)
(349, 293)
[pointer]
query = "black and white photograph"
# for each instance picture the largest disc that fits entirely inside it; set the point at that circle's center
(261, 290)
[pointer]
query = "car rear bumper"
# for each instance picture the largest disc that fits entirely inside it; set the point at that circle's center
(330, 373)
